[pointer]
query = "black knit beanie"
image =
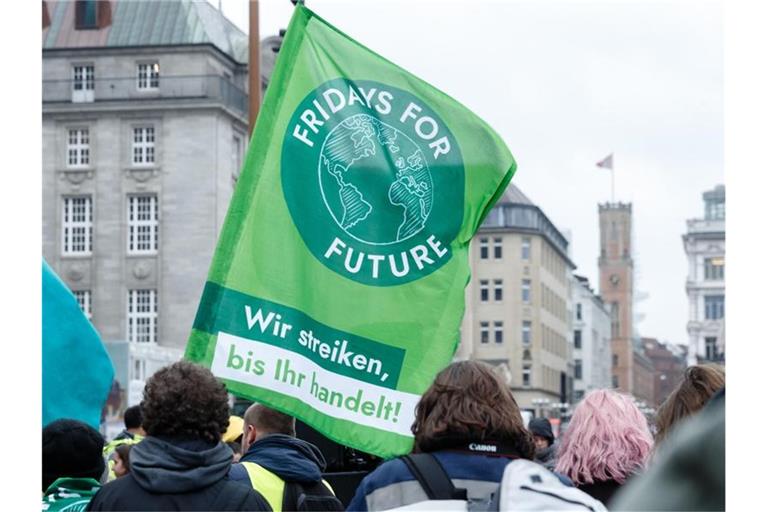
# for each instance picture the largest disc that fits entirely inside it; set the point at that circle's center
(543, 428)
(72, 449)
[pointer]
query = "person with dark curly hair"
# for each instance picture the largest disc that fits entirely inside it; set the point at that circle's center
(471, 424)
(182, 464)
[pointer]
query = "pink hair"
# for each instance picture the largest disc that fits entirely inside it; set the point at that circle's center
(607, 439)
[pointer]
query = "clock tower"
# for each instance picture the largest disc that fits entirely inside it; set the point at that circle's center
(616, 286)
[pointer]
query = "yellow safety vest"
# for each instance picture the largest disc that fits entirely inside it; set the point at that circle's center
(269, 484)
(109, 450)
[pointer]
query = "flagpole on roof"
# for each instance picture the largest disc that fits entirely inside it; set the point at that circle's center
(607, 162)
(254, 68)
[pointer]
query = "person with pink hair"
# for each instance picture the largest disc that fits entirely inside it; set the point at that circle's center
(607, 441)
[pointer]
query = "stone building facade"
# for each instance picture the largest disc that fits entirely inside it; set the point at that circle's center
(518, 299)
(643, 377)
(704, 244)
(144, 133)
(591, 338)
(668, 369)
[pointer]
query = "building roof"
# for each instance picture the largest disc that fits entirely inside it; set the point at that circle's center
(514, 195)
(716, 194)
(504, 216)
(165, 23)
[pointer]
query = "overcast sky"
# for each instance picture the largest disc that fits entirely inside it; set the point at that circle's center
(565, 83)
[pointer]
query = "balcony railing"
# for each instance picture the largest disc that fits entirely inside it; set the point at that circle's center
(202, 87)
(706, 225)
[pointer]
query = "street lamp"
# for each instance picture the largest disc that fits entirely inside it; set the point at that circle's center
(540, 404)
(562, 408)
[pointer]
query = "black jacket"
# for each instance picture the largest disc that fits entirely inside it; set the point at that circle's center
(293, 460)
(601, 490)
(123, 435)
(169, 474)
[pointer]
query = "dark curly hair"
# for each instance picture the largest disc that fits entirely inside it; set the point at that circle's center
(469, 402)
(185, 400)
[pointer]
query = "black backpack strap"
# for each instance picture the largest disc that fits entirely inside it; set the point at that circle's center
(432, 477)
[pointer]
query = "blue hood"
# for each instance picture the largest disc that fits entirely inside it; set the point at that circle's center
(289, 458)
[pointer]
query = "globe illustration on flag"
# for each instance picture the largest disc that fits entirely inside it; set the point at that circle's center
(375, 181)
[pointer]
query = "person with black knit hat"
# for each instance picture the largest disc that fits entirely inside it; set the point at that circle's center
(541, 429)
(73, 467)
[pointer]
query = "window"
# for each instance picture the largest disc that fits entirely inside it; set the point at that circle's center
(614, 381)
(526, 291)
(614, 319)
(710, 345)
(526, 333)
(714, 307)
(84, 301)
(483, 290)
(78, 148)
(526, 252)
(86, 14)
(483, 248)
(497, 248)
(77, 228)
(142, 224)
(615, 360)
(578, 311)
(577, 368)
(484, 332)
(498, 290)
(144, 145)
(237, 155)
(526, 355)
(148, 76)
(714, 269)
(82, 78)
(498, 332)
(82, 83)
(578, 395)
(526, 375)
(142, 316)
(139, 369)
(577, 338)
(715, 210)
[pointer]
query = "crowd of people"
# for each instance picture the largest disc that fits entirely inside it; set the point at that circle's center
(182, 450)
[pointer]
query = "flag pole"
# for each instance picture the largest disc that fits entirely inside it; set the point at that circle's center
(612, 184)
(254, 75)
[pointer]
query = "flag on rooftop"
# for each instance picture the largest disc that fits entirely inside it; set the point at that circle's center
(606, 162)
(336, 291)
(77, 371)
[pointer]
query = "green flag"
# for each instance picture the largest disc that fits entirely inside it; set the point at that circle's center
(337, 288)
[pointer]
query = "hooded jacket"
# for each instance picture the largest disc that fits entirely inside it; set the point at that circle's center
(293, 460)
(173, 474)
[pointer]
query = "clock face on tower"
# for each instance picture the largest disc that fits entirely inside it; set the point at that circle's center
(614, 279)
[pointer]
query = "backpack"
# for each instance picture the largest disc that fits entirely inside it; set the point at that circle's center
(305, 497)
(524, 486)
(529, 486)
(438, 486)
